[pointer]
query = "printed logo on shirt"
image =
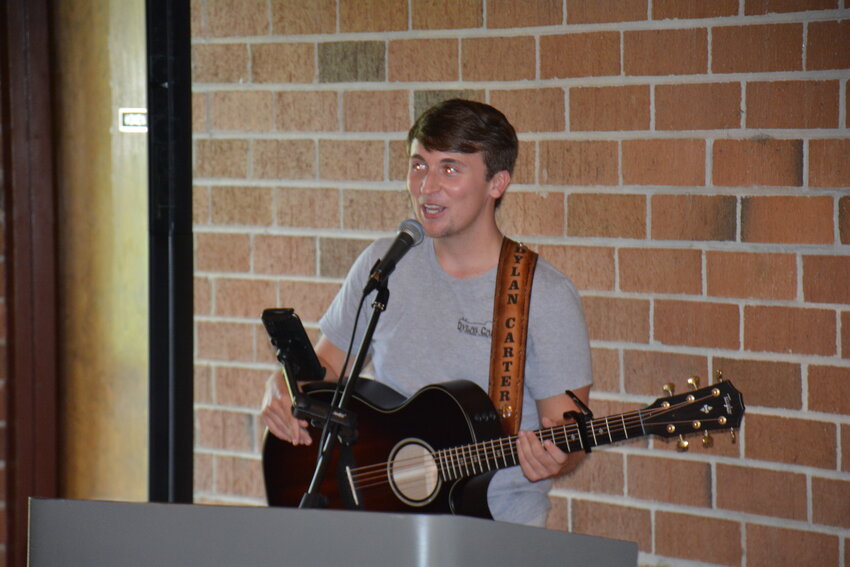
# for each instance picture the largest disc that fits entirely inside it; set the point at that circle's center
(475, 329)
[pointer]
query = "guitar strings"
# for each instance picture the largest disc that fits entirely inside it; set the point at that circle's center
(461, 459)
(453, 460)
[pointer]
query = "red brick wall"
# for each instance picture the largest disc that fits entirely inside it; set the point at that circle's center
(687, 163)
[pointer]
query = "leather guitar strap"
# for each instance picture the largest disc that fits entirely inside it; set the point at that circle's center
(510, 331)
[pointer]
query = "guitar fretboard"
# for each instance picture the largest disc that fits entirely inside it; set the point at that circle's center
(478, 458)
(469, 460)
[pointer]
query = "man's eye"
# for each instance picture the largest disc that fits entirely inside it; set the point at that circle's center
(450, 170)
(417, 166)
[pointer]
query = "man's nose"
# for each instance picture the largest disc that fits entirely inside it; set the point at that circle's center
(429, 183)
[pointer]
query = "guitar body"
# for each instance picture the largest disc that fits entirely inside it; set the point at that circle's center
(391, 431)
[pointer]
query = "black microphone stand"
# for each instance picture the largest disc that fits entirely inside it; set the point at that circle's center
(340, 425)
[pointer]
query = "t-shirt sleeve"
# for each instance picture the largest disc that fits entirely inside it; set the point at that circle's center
(338, 321)
(558, 350)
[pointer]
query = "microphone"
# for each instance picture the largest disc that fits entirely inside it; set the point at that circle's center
(410, 234)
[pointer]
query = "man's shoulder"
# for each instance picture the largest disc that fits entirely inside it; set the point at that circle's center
(375, 249)
(551, 276)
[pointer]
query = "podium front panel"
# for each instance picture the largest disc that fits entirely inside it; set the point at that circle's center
(84, 533)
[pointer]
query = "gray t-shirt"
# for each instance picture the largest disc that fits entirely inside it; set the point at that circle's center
(437, 328)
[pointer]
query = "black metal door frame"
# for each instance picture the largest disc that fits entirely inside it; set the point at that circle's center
(171, 442)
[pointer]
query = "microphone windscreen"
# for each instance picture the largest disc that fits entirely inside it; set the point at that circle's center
(414, 229)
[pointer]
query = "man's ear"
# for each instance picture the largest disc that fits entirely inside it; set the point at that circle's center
(498, 184)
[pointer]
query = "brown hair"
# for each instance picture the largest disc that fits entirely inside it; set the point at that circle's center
(468, 127)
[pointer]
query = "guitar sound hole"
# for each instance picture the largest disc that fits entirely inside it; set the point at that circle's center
(413, 472)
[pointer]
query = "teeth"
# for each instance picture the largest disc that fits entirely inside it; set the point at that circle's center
(432, 208)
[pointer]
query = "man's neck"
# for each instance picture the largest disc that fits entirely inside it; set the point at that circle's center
(469, 255)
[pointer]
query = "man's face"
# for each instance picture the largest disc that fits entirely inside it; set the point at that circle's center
(449, 191)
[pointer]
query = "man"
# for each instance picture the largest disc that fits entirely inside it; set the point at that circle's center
(438, 321)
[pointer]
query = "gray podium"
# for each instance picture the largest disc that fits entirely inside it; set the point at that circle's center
(84, 533)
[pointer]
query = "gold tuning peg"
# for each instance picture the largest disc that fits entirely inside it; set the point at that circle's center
(707, 440)
(719, 375)
(734, 436)
(682, 444)
(670, 388)
(693, 381)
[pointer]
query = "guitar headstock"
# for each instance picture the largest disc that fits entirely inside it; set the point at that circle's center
(716, 407)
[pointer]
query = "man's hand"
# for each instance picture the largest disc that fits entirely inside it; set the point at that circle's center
(277, 405)
(540, 461)
(277, 413)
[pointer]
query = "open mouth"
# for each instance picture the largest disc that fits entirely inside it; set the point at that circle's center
(430, 209)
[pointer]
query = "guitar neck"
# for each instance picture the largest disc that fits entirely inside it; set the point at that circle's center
(470, 460)
(715, 407)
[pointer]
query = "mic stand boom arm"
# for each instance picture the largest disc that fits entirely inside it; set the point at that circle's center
(338, 414)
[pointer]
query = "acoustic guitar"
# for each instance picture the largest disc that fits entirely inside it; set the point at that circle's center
(436, 451)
